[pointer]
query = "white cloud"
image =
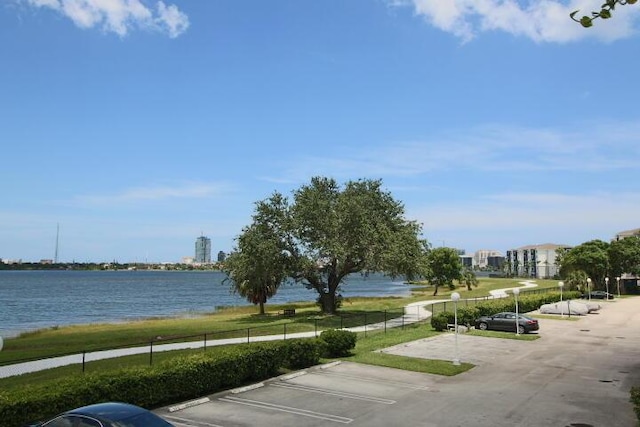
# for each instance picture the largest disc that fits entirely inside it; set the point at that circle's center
(592, 147)
(538, 20)
(141, 194)
(120, 16)
(509, 220)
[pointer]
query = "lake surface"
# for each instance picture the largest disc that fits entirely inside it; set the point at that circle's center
(32, 300)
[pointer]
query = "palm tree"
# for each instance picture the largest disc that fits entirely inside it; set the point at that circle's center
(469, 278)
(258, 266)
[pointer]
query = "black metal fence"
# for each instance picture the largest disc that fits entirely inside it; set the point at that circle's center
(294, 327)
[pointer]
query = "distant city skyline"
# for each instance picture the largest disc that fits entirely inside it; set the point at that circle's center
(138, 125)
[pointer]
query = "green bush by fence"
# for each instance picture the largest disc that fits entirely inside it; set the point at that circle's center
(178, 379)
(468, 315)
(338, 343)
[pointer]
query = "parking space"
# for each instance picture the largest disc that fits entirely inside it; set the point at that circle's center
(334, 394)
(564, 378)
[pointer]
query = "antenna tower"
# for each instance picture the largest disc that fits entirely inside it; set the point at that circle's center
(55, 258)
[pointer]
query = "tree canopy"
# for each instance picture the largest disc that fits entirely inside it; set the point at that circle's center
(257, 267)
(597, 259)
(605, 12)
(327, 232)
(443, 267)
(590, 257)
(624, 256)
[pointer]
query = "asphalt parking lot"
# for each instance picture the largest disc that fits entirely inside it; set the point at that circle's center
(577, 374)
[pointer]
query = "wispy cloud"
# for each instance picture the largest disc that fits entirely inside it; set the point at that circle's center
(593, 147)
(120, 16)
(511, 220)
(158, 193)
(538, 20)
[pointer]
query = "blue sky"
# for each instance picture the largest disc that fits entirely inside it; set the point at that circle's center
(138, 125)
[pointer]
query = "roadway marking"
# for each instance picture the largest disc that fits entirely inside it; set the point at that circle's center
(375, 380)
(288, 409)
(189, 423)
(335, 393)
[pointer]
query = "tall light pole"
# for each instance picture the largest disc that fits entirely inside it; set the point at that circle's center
(516, 292)
(455, 297)
(618, 281)
(606, 282)
(561, 285)
(589, 287)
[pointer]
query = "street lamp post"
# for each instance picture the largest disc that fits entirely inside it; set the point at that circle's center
(618, 282)
(516, 292)
(561, 285)
(589, 287)
(606, 282)
(455, 297)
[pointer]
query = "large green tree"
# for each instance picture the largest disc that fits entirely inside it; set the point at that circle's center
(590, 257)
(258, 265)
(443, 267)
(624, 256)
(327, 232)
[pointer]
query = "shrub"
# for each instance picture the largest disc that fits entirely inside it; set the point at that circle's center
(635, 399)
(338, 342)
(468, 315)
(439, 321)
(301, 353)
(178, 379)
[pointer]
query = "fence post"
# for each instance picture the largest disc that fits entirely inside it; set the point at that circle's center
(365, 325)
(248, 335)
(83, 354)
(205, 342)
(151, 353)
(285, 331)
(341, 322)
(315, 327)
(385, 321)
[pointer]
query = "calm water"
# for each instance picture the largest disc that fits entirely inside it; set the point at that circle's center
(40, 299)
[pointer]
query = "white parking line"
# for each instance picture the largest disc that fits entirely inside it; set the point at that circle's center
(189, 423)
(288, 409)
(335, 393)
(374, 380)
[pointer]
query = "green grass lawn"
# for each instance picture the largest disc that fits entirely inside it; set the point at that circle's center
(365, 352)
(225, 323)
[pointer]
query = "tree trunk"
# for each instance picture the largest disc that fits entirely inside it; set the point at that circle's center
(328, 302)
(261, 308)
(435, 291)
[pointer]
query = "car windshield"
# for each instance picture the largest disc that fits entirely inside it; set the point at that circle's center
(146, 419)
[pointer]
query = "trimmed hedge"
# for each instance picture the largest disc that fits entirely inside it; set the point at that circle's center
(468, 315)
(338, 342)
(175, 380)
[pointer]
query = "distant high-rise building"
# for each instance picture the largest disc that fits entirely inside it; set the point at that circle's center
(221, 256)
(203, 250)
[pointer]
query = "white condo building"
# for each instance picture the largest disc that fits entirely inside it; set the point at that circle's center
(536, 261)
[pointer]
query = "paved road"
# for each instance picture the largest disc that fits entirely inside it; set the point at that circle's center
(578, 374)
